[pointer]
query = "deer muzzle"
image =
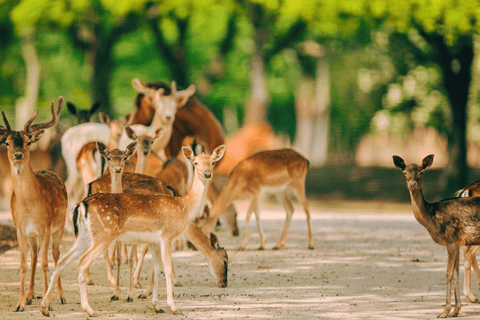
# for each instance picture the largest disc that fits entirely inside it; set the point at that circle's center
(412, 183)
(18, 155)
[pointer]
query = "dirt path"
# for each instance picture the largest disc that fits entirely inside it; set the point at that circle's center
(371, 261)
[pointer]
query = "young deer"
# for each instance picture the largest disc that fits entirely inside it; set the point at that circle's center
(83, 116)
(136, 218)
(271, 171)
(146, 161)
(452, 223)
(38, 203)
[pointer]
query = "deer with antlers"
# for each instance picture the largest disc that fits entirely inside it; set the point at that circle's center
(38, 203)
(452, 223)
(274, 171)
(136, 218)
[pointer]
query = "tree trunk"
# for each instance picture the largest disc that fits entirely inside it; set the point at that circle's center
(101, 60)
(26, 105)
(456, 66)
(256, 109)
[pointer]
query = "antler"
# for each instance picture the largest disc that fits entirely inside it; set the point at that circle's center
(45, 125)
(7, 125)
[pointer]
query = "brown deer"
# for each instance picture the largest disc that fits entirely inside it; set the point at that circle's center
(83, 116)
(136, 218)
(452, 223)
(470, 253)
(273, 171)
(38, 203)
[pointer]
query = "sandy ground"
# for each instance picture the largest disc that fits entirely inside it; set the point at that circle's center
(371, 261)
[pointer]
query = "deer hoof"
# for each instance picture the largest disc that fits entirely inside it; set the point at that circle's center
(159, 311)
(90, 283)
(142, 296)
(45, 311)
(29, 302)
(114, 298)
(129, 299)
(19, 309)
(63, 301)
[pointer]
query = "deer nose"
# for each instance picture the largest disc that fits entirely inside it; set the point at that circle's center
(117, 170)
(207, 175)
(18, 155)
(412, 183)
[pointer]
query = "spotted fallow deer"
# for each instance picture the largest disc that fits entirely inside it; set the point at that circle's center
(136, 218)
(274, 171)
(38, 203)
(452, 223)
(470, 253)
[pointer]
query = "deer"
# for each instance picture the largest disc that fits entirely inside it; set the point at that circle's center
(38, 202)
(193, 119)
(452, 223)
(146, 161)
(470, 253)
(83, 116)
(136, 218)
(269, 171)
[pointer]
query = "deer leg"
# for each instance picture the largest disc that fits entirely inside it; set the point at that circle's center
(83, 263)
(22, 244)
(456, 284)
(166, 253)
(133, 252)
(453, 254)
(250, 209)
(108, 263)
(156, 273)
(287, 204)
(124, 253)
(56, 239)
(259, 228)
(79, 248)
(118, 247)
(299, 190)
(45, 245)
(138, 269)
(151, 274)
(34, 259)
(217, 265)
(230, 214)
(469, 254)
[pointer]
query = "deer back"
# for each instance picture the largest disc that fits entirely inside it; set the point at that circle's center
(103, 183)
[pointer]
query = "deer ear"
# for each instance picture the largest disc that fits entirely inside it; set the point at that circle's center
(36, 135)
(399, 163)
(102, 148)
(214, 241)
(131, 149)
(130, 133)
(427, 162)
(188, 153)
(94, 108)
(184, 95)
(158, 133)
(71, 108)
(218, 152)
(104, 118)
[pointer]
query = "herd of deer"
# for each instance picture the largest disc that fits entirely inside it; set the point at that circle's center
(158, 188)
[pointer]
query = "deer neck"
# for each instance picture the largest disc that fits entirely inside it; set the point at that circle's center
(117, 183)
(161, 143)
(420, 207)
(196, 198)
(24, 180)
(141, 165)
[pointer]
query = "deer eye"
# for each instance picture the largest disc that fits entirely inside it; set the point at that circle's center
(6, 143)
(29, 143)
(195, 163)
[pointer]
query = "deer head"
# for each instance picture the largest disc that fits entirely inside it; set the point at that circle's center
(116, 128)
(83, 116)
(204, 163)
(18, 142)
(116, 158)
(165, 105)
(144, 140)
(412, 172)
